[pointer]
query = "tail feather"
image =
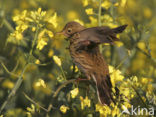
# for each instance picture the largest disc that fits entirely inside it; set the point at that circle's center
(104, 91)
(119, 29)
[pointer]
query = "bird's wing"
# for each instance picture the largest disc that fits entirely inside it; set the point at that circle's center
(92, 37)
(101, 34)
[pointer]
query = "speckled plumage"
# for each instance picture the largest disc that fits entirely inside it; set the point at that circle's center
(85, 53)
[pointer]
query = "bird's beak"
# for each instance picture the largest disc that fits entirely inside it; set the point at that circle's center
(60, 33)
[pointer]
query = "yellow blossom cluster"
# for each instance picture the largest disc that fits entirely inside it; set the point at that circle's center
(85, 102)
(64, 108)
(57, 60)
(36, 21)
(74, 92)
(30, 110)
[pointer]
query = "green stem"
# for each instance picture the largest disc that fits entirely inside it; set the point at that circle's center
(8, 25)
(26, 96)
(20, 80)
(99, 20)
(13, 91)
(99, 14)
(139, 96)
(62, 72)
(62, 86)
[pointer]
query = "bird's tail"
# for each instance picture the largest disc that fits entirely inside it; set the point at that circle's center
(119, 29)
(104, 91)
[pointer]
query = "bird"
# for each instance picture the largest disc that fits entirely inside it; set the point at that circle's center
(85, 53)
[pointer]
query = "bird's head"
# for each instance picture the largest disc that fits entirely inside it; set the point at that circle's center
(71, 28)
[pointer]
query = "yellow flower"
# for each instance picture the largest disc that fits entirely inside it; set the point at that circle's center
(30, 110)
(147, 12)
(106, 4)
(116, 4)
(123, 2)
(57, 60)
(107, 18)
(84, 102)
(85, 2)
(115, 75)
(33, 29)
(50, 53)
(39, 10)
(74, 92)
(79, 21)
(119, 43)
(37, 61)
(72, 15)
(50, 34)
(8, 84)
(146, 80)
(150, 87)
(76, 68)
(40, 83)
(41, 43)
(53, 20)
(115, 111)
(93, 20)
(141, 45)
(18, 35)
(89, 11)
(64, 109)
(103, 110)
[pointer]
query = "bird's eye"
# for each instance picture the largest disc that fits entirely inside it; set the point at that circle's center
(69, 30)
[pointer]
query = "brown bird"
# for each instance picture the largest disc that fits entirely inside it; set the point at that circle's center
(85, 53)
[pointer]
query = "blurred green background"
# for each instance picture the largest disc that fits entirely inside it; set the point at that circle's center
(134, 55)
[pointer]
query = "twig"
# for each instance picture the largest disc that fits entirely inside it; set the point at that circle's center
(122, 62)
(28, 98)
(14, 69)
(5, 68)
(99, 14)
(8, 25)
(149, 56)
(99, 20)
(13, 91)
(62, 72)
(20, 80)
(139, 96)
(62, 86)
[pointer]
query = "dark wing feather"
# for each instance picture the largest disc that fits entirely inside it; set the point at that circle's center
(101, 34)
(97, 35)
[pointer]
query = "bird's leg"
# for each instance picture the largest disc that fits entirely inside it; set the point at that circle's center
(82, 79)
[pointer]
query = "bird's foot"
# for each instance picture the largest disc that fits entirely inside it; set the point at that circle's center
(82, 79)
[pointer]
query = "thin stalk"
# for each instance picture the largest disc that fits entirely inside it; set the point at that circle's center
(62, 72)
(99, 14)
(16, 87)
(5, 68)
(99, 20)
(20, 80)
(62, 86)
(28, 98)
(139, 96)
(8, 25)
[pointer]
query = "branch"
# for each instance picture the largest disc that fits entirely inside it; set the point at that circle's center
(20, 80)
(62, 86)
(28, 98)
(99, 20)
(148, 55)
(13, 91)
(139, 96)
(5, 68)
(8, 25)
